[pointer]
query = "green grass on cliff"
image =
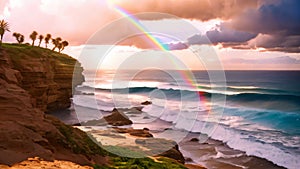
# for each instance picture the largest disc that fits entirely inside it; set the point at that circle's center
(141, 163)
(23, 51)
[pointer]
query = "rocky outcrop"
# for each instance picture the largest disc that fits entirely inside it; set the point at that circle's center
(146, 102)
(33, 81)
(134, 132)
(49, 77)
(156, 146)
(117, 118)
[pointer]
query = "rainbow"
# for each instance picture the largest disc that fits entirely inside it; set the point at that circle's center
(184, 74)
(141, 27)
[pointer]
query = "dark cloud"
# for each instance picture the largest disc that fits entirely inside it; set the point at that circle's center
(222, 34)
(228, 35)
(276, 23)
(274, 26)
(281, 17)
(276, 42)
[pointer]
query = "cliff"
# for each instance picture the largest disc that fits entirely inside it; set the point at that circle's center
(46, 75)
(34, 80)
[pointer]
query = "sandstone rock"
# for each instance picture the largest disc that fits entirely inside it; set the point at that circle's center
(162, 147)
(194, 140)
(140, 133)
(194, 166)
(26, 83)
(188, 159)
(134, 132)
(117, 118)
(34, 163)
(47, 76)
(146, 102)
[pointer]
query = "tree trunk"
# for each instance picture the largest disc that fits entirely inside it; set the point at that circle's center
(1, 36)
(32, 43)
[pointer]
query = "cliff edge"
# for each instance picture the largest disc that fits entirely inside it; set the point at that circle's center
(46, 75)
(35, 80)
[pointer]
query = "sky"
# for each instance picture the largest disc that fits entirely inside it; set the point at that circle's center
(169, 34)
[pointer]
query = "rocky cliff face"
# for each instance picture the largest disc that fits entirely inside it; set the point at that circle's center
(46, 75)
(33, 81)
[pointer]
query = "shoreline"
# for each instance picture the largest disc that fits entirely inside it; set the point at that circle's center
(216, 154)
(210, 154)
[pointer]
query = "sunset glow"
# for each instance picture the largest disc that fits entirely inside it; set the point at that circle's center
(225, 32)
(166, 84)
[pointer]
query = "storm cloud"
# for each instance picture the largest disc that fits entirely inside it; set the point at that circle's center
(221, 34)
(276, 23)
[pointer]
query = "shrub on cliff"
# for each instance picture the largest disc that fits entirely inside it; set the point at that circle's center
(4, 26)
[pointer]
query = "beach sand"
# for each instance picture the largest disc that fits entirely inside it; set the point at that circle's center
(37, 163)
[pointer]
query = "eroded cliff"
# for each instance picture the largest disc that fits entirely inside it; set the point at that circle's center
(34, 80)
(46, 75)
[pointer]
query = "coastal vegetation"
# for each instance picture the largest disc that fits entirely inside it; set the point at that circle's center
(4, 26)
(58, 43)
(19, 37)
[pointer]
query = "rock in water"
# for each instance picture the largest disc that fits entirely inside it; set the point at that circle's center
(146, 102)
(194, 140)
(117, 118)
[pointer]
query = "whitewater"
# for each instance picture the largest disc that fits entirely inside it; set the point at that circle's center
(260, 115)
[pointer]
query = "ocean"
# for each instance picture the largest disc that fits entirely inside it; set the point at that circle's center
(257, 112)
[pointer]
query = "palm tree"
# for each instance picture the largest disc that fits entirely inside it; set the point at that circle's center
(41, 37)
(19, 37)
(47, 38)
(4, 26)
(64, 44)
(33, 36)
(59, 46)
(56, 42)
